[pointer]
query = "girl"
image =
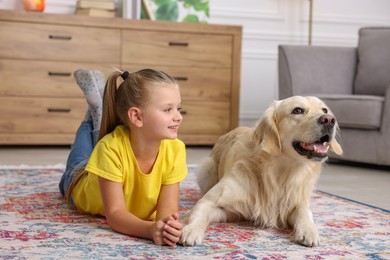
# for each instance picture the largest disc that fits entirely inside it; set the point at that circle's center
(132, 175)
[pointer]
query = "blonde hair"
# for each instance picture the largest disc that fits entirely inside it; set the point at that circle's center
(133, 91)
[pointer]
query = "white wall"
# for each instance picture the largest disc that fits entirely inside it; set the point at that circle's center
(269, 23)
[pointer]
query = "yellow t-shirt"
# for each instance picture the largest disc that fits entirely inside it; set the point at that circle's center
(113, 159)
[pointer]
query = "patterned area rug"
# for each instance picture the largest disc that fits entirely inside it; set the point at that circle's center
(36, 224)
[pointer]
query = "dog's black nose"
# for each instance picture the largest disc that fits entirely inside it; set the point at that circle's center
(327, 120)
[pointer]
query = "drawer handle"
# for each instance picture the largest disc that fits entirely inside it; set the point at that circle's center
(58, 110)
(181, 78)
(60, 37)
(183, 112)
(62, 74)
(184, 44)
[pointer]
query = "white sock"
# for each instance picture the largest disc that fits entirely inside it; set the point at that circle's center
(92, 83)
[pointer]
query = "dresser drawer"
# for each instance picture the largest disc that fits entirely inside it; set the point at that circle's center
(205, 117)
(36, 138)
(198, 83)
(41, 104)
(41, 115)
(56, 42)
(176, 49)
(42, 78)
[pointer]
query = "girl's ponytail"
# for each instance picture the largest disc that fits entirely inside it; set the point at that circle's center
(110, 117)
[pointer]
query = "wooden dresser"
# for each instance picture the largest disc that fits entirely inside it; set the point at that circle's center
(40, 102)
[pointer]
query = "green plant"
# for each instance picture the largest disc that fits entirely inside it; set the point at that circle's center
(169, 10)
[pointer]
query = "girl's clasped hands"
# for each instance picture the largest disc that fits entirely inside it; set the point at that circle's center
(167, 231)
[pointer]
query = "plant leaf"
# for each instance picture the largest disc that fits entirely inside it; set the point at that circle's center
(168, 12)
(191, 18)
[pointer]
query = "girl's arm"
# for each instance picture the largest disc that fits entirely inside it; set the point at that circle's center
(168, 200)
(167, 208)
(124, 222)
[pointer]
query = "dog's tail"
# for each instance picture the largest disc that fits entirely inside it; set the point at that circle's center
(207, 175)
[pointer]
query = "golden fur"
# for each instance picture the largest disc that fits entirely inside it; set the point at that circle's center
(266, 174)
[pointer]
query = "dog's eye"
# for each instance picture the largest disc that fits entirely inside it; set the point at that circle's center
(298, 110)
(325, 110)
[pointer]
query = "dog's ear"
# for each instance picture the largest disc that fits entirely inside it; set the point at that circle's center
(334, 145)
(266, 133)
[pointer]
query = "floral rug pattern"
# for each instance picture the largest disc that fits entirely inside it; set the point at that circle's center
(35, 223)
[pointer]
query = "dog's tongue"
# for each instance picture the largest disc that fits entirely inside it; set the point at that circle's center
(316, 147)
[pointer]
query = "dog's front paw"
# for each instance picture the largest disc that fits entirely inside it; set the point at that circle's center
(192, 235)
(307, 236)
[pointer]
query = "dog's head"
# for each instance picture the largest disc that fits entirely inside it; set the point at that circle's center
(299, 127)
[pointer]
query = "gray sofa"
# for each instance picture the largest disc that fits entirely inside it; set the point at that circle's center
(354, 83)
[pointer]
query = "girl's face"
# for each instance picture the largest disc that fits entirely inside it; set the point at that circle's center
(162, 117)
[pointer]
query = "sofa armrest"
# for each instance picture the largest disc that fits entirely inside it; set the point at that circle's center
(383, 140)
(385, 126)
(311, 70)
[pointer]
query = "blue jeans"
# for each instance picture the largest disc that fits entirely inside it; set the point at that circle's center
(81, 151)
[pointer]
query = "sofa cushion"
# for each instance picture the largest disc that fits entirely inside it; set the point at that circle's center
(356, 111)
(318, 69)
(373, 71)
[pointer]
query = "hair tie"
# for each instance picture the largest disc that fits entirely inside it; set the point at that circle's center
(124, 75)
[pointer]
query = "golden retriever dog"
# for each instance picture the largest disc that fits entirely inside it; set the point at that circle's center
(266, 174)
